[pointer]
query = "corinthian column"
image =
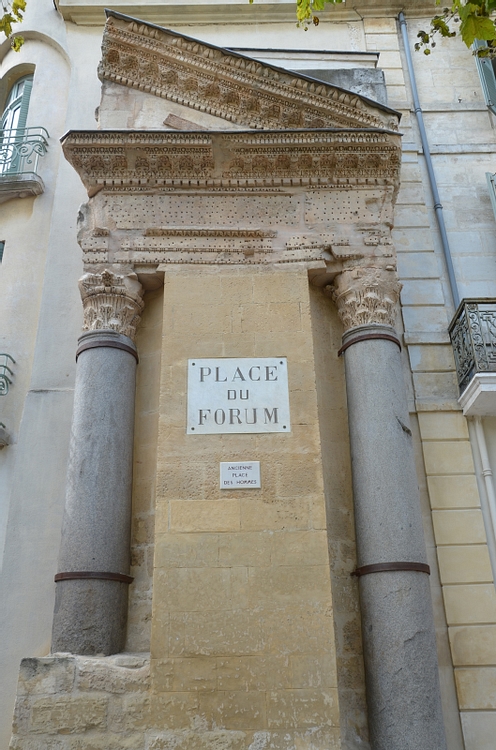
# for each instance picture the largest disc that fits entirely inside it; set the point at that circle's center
(403, 692)
(92, 585)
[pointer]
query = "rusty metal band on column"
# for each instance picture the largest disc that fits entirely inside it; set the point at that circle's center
(385, 567)
(85, 574)
(107, 344)
(366, 337)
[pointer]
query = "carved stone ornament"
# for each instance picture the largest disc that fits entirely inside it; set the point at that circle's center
(226, 84)
(312, 163)
(365, 296)
(111, 301)
(167, 160)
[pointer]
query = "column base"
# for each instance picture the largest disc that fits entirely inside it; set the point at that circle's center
(90, 617)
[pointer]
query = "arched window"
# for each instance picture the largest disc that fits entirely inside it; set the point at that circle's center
(16, 109)
(13, 125)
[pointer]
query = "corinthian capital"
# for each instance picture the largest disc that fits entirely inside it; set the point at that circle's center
(111, 301)
(366, 296)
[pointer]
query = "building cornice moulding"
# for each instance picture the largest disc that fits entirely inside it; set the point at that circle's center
(92, 12)
(233, 160)
(226, 84)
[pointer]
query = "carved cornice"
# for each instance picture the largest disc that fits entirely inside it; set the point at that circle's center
(228, 85)
(111, 302)
(232, 160)
(366, 295)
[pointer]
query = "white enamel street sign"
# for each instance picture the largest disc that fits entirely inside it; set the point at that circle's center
(239, 475)
(238, 395)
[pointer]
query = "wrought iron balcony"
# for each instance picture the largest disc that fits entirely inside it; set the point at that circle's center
(20, 151)
(473, 335)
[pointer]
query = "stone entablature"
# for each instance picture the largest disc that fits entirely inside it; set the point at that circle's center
(313, 181)
(238, 197)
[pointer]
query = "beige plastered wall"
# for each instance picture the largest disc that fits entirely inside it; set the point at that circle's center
(41, 315)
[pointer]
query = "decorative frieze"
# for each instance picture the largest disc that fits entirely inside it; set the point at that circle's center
(366, 295)
(228, 85)
(144, 159)
(112, 302)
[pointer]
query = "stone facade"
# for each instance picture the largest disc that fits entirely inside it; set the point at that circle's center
(242, 210)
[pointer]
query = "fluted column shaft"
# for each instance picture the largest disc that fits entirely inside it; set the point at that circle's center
(403, 693)
(92, 583)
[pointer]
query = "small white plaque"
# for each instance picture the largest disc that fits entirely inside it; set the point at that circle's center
(238, 395)
(239, 475)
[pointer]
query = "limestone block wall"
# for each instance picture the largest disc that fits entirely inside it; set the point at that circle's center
(242, 631)
(149, 342)
(464, 564)
(83, 703)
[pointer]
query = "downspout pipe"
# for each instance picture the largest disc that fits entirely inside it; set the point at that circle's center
(438, 208)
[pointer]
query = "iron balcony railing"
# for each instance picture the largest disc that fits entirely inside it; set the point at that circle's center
(20, 150)
(473, 336)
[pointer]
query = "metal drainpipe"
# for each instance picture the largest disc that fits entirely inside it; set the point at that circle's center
(428, 161)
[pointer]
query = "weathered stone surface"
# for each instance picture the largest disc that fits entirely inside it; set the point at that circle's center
(66, 715)
(364, 81)
(90, 614)
(81, 703)
(122, 675)
(50, 675)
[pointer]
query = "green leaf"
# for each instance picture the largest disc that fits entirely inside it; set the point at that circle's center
(6, 24)
(476, 27)
(18, 8)
(12, 13)
(16, 43)
(303, 10)
(469, 9)
(439, 24)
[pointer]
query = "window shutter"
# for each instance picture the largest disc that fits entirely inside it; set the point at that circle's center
(487, 76)
(491, 184)
(26, 94)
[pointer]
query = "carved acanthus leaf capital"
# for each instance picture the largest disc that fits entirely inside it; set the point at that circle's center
(111, 301)
(366, 295)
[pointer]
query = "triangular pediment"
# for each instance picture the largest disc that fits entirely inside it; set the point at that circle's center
(227, 86)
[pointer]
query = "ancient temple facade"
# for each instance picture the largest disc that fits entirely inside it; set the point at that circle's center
(248, 423)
